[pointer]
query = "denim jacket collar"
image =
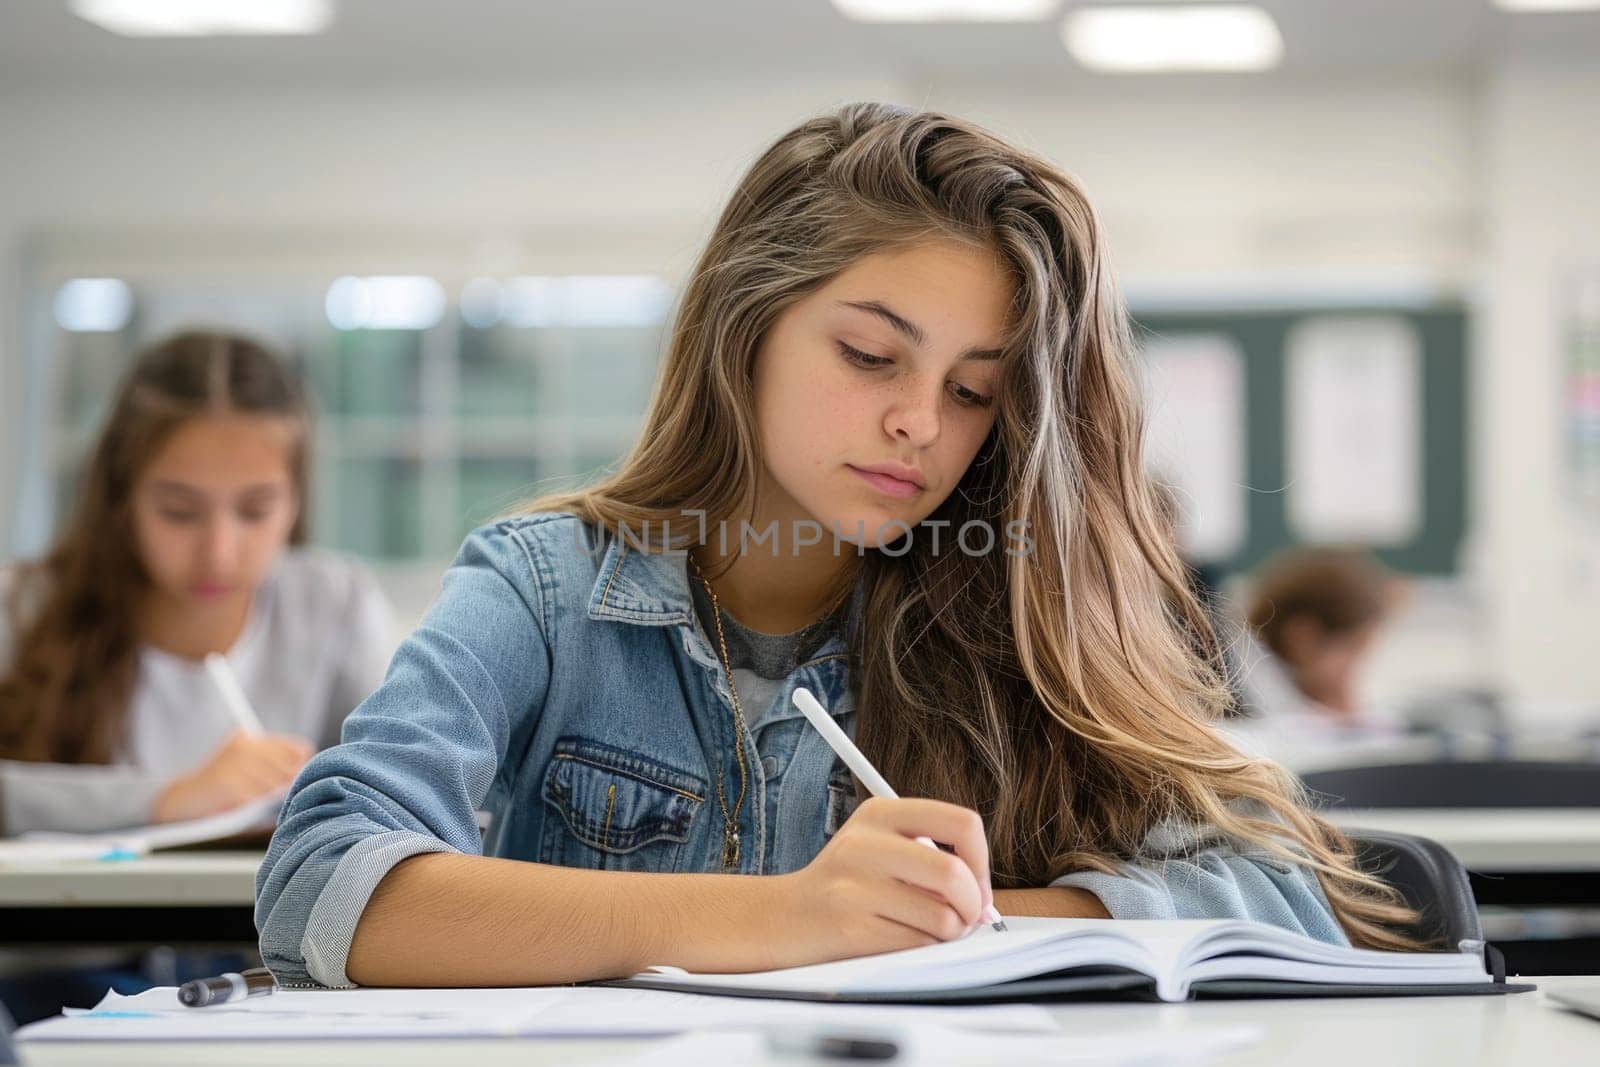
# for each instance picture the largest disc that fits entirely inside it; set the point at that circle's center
(647, 588)
(652, 589)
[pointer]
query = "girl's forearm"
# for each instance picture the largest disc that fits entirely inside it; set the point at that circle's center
(445, 919)
(1059, 902)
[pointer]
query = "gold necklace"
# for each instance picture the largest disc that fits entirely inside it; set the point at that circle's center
(730, 825)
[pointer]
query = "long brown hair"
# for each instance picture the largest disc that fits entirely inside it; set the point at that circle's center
(1061, 694)
(65, 697)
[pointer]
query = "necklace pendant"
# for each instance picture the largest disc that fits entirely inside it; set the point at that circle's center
(730, 850)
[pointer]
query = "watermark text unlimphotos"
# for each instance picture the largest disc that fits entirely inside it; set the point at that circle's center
(975, 537)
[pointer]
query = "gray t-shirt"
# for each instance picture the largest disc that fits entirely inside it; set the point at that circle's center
(317, 641)
(760, 661)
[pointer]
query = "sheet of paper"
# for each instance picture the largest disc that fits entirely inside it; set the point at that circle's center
(41, 846)
(539, 1012)
(1353, 417)
(17, 851)
(1194, 436)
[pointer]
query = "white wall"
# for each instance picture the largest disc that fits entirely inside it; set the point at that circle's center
(1205, 176)
(1542, 564)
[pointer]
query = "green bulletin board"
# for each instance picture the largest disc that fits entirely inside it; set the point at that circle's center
(1261, 336)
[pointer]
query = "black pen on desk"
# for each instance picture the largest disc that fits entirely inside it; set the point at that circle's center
(255, 982)
(857, 761)
(833, 1043)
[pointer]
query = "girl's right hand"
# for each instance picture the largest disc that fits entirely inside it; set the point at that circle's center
(246, 767)
(875, 888)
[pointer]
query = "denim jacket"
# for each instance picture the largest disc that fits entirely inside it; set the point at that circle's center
(560, 703)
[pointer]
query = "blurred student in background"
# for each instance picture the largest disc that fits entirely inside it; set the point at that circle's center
(186, 540)
(1315, 615)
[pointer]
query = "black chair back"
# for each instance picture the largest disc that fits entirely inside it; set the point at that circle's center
(1460, 784)
(1429, 877)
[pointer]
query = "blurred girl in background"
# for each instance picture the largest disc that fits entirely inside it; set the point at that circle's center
(187, 540)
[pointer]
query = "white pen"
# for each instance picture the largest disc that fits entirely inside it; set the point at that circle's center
(862, 767)
(233, 697)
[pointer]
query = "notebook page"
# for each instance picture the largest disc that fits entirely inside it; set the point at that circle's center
(1454, 969)
(1171, 951)
(1261, 940)
(1031, 947)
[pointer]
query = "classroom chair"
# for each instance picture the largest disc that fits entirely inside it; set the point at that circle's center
(1460, 784)
(1429, 877)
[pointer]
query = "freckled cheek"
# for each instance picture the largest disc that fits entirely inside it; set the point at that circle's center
(835, 414)
(973, 436)
(956, 451)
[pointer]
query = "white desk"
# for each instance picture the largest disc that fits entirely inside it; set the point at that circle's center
(1371, 1032)
(163, 879)
(165, 898)
(1495, 839)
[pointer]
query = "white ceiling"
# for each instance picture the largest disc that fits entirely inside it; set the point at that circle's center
(42, 46)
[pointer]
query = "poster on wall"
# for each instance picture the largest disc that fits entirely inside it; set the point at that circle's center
(1353, 421)
(1195, 437)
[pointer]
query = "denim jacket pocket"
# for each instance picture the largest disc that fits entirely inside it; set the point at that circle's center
(610, 809)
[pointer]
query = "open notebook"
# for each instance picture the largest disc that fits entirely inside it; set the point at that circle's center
(1042, 957)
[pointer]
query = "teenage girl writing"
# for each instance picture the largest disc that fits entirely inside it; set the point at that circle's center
(902, 329)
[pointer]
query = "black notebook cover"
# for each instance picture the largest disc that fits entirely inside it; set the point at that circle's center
(1097, 984)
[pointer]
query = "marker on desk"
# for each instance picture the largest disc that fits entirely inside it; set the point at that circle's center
(853, 758)
(233, 697)
(833, 1043)
(255, 982)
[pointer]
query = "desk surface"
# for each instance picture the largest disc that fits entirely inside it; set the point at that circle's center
(1448, 1031)
(1494, 839)
(164, 879)
(1489, 839)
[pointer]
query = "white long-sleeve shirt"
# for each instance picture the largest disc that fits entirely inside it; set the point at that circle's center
(1288, 727)
(317, 640)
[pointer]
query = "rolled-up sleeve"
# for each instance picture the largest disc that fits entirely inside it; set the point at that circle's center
(419, 757)
(1217, 883)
